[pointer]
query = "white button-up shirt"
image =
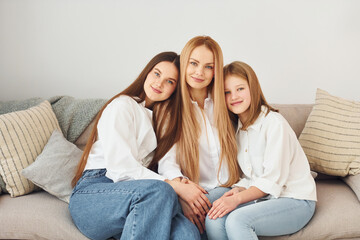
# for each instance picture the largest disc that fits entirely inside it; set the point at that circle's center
(209, 151)
(273, 160)
(126, 141)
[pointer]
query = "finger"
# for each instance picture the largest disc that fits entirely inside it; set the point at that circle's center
(214, 211)
(194, 209)
(198, 224)
(201, 189)
(207, 201)
(218, 213)
(204, 202)
(200, 207)
(226, 211)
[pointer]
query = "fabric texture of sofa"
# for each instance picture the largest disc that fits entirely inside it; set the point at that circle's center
(41, 215)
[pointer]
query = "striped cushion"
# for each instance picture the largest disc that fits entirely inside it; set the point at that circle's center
(23, 135)
(331, 136)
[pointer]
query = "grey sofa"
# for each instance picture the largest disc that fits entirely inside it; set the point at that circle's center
(40, 215)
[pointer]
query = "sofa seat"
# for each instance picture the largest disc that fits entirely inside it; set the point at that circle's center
(337, 214)
(38, 215)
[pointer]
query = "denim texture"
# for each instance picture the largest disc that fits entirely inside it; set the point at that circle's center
(135, 209)
(271, 217)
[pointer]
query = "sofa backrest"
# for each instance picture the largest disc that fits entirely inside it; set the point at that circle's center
(295, 114)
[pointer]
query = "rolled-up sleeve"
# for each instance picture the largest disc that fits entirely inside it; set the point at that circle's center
(168, 167)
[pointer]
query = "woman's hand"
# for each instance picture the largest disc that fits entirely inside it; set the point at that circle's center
(224, 205)
(199, 221)
(192, 194)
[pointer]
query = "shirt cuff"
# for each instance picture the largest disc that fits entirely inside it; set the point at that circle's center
(242, 183)
(172, 174)
(267, 187)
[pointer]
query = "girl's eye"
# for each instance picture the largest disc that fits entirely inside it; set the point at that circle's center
(227, 92)
(193, 63)
(157, 74)
(239, 89)
(209, 67)
(171, 82)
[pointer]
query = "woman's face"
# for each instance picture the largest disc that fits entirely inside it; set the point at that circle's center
(160, 82)
(200, 69)
(237, 95)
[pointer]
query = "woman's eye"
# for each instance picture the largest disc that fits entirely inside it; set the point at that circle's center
(169, 81)
(239, 89)
(209, 67)
(157, 74)
(227, 92)
(193, 63)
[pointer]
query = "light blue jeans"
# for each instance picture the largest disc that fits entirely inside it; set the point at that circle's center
(271, 217)
(138, 209)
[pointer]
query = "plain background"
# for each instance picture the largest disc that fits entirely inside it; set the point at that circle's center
(95, 48)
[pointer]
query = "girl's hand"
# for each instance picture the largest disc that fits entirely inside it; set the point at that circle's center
(199, 221)
(233, 191)
(224, 205)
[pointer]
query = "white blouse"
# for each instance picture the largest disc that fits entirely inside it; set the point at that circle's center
(126, 141)
(209, 151)
(273, 160)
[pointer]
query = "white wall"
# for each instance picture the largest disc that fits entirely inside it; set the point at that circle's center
(95, 48)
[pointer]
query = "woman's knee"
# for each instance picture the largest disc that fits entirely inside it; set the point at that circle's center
(162, 191)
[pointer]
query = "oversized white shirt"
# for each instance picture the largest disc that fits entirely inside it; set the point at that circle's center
(209, 151)
(273, 160)
(126, 141)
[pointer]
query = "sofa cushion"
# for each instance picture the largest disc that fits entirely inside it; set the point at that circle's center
(23, 135)
(331, 137)
(55, 167)
(337, 214)
(38, 215)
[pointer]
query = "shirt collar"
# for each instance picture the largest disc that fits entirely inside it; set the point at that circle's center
(208, 100)
(258, 122)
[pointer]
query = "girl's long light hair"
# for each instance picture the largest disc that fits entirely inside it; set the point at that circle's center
(244, 71)
(188, 143)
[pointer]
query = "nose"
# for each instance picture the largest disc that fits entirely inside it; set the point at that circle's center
(158, 82)
(233, 95)
(199, 70)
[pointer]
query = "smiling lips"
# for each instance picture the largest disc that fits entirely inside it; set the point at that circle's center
(197, 79)
(236, 103)
(156, 90)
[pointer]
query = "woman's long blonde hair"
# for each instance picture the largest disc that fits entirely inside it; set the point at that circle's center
(188, 143)
(244, 71)
(136, 91)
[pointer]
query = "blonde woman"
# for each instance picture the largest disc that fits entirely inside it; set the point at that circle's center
(205, 150)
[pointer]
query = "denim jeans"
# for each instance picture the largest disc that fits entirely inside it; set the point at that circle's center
(271, 217)
(136, 209)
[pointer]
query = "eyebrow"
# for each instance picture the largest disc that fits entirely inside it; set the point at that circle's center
(198, 61)
(161, 72)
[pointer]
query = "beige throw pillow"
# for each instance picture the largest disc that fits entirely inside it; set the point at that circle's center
(23, 135)
(331, 136)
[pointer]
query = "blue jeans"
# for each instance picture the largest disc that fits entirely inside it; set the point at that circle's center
(271, 217)
(138, 209)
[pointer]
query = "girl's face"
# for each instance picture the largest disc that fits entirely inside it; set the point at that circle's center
(237, 95)
(200, 69)
(160, 82)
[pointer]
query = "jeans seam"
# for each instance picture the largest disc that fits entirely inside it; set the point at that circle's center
(106, 191)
